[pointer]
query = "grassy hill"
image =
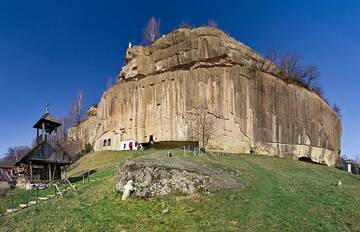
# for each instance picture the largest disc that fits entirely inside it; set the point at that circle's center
(280, 195)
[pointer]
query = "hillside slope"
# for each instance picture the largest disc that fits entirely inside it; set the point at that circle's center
(280, 194)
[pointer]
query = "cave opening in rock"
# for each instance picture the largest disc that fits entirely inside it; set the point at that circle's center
(305, 159)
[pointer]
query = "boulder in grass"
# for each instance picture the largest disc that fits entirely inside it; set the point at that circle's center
(159, 176)
(4, 188)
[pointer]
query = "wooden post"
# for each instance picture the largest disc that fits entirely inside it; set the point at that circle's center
(12, 203)
(37, 136)
(27, 197)
(37, 195)
(31, 172)
(49, 167)
(54, 172)
(43, 131)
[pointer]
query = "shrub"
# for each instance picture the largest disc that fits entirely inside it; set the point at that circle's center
(88, 148)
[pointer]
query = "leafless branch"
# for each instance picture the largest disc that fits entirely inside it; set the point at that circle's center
(212, 23)
(152, 31)
(184, 24)
(337, 110)
(204, 125)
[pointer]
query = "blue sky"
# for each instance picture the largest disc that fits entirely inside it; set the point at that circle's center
(49, 50)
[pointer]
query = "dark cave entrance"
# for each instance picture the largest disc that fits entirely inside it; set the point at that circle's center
(306, 159)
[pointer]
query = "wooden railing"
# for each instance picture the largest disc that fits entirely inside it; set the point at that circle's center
(43, 191)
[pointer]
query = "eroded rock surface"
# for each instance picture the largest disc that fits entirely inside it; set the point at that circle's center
(162, 84)
(159, 176)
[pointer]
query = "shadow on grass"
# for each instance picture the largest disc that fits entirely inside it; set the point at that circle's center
(84, 176)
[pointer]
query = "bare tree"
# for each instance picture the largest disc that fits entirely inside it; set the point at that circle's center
(77, 109)
(212, 23)
(184, 24)
(288, 66)
(269, 61)
(308, 75)
(61, 132)
(73, 148)
(337, 110)
(13, 155)
(318, 90)
(152, 31)
(204, 125)
(267, 64)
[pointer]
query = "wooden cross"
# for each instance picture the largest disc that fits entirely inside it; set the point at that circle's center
(46, 107)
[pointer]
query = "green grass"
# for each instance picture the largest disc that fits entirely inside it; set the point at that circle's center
(280, 195)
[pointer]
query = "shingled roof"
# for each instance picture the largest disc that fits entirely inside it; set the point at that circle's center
(50, 122)
(46, 152)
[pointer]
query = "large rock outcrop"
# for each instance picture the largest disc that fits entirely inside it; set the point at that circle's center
(159, 176)
(161, 85)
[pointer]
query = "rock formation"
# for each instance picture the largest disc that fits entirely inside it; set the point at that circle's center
(161, 85)
(4, 188)
(159, 176)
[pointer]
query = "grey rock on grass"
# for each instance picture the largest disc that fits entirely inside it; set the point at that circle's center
(159, 176)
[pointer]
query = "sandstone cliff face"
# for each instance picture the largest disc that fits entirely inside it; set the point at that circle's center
(161, 85)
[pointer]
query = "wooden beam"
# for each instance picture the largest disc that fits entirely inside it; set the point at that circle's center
(37, 136)
(43, 130)
(31, 173)
(54, 171)
(49, 167)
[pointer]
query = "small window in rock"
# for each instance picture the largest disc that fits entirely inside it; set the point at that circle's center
(158, 104)
(163, 81)
(104, 143)
(134, 68)
(130, 119)
(124, 145)
(109, 142)
(172, 79)
(152, 84)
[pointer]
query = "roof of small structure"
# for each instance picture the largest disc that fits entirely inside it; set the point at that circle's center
(50, 122)
(47, 153)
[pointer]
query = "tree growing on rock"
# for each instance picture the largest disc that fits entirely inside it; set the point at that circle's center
(184, 24)
(288, 68)
(212, 23)
(267, 64)
(337, 110)
(204, 129)
(308, 75)
(152, 31)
